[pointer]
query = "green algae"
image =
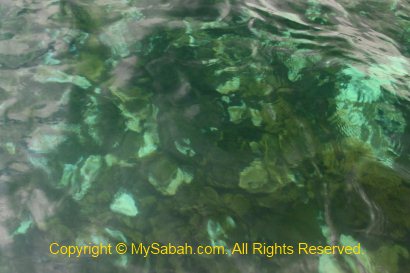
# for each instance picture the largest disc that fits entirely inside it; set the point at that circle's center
(84, 18)
(91, 66)
(387, 257)
(315, 13)
(92, 118)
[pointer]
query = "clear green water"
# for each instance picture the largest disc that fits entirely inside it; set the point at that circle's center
(206, 122)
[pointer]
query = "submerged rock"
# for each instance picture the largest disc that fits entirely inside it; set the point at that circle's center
(218, 232)
(231, 85)
(79, 179)
(41, 208)
(236, 113)
(254, 178)
(150, 144)
(116, 234)
(45, 75)
(167, 177)
(124, 204)
(23, 227)
(184, 147)
(256, 117)
(46, 138)
(15, 53)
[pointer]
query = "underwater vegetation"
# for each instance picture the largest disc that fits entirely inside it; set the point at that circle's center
(206, 122)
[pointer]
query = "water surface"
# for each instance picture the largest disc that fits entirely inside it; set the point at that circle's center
(207, 122)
